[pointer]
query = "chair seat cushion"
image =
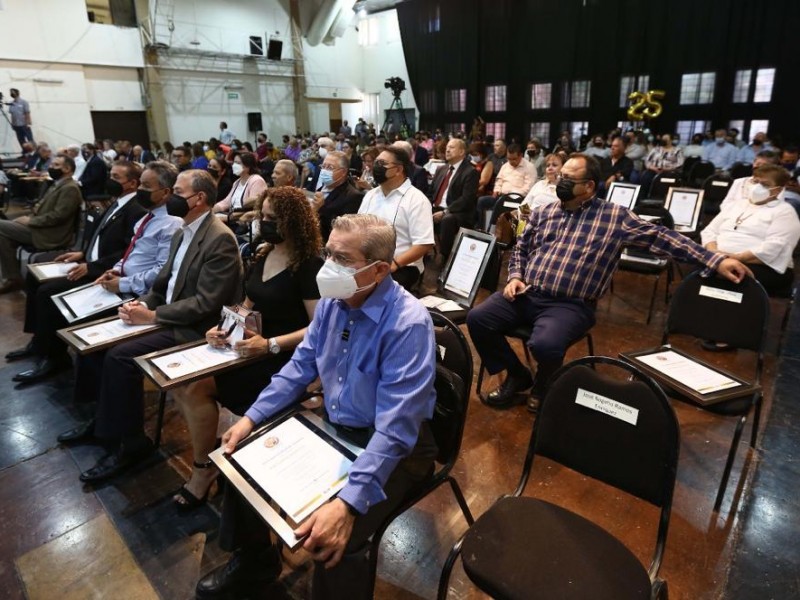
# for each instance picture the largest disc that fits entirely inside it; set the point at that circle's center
(524, 548)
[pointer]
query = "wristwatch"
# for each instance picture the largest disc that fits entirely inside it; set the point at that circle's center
(274, 347)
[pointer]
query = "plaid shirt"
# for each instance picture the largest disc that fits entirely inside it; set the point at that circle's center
(574, 255)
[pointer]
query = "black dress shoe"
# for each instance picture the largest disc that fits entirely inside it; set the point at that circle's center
(82, 433)
(25, 352)
(128, 454)
(237, 576)
(510, 392)
(46, 367)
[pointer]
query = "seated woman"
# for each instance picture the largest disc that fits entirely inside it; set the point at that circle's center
(366, 182)
(664, 158)
(760, 231)
(543, 191)
(282, 287)
(220, 170)
(245, 190)
(479, 155)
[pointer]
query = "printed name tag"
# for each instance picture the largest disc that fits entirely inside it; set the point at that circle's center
(607, 406)
(666, 180)
(727, 295)
(720, 183)
(90, 218)
(507, 204)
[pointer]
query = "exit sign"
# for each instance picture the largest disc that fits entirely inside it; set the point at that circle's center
(233, 95)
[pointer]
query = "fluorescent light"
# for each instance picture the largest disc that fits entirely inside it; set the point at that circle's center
(47, 80)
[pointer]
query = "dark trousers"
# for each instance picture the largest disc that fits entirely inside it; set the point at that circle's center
(115, 382)
(448, 229)
(776, 284)
(557, 323)
(407, 276)
(24, 134)
(241, 528)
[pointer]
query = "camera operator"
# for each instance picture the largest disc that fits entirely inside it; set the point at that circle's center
(20, 112)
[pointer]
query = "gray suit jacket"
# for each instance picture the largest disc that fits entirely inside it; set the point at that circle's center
(210, 276)
(53, 223)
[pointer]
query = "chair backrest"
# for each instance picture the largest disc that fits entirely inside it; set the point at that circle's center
(661, 184)
(687, 166)
(506, 203)
(453, 383)
(618, 430)
(699, 172)
(715, 188)
(491, 275)
(717, 309)
(739, 170)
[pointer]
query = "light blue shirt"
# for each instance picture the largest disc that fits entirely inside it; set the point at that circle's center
(188, 235)
(226, 136)
(747, 154)
(380, 377)
(722, 157)
(149, 253)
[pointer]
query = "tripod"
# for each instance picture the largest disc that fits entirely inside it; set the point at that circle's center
(397, 103)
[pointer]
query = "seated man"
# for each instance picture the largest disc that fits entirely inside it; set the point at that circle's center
(561, 265)
(404, 206)
(455, 186)
(51, 226)
(417, 175)
(382, 394)
(337, 196)
(615, 167)
(740, 188)
(516, 176)
(202, 274)
(721, 154)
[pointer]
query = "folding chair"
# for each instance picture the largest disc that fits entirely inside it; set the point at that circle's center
(739, 170)
(618, 430)
(699, 172)
(715, 188)
(720, 310)
(452, 384)
(661, 184)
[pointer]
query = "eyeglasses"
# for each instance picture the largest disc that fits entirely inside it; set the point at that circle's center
(382, 163)
(578, 180)
(341, 259)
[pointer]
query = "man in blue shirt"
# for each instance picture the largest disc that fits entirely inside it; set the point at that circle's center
(721, 154)
(371, 343)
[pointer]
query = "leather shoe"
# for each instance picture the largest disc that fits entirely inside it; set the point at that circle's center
(237, 576)
(128, 454)
(510, 392)
(25, 352)
(43, 369)
(82, 433)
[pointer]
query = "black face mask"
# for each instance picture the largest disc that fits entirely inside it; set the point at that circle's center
(178, 206)
(55, 174)
(565, 190)
(379, 173)
(114, 188)
(270, 233)
(144, 198)
(531, 153)
(213, 172)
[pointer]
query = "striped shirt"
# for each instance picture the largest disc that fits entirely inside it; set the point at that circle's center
(574, 254)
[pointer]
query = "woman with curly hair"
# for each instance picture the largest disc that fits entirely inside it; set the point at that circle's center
(282, 286)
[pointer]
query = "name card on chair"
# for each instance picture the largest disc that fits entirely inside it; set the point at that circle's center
(718, 294)
(721, 183)
(607, 406)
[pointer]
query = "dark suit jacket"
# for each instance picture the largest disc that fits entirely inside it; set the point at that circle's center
(419, 178)
(54, 220)
(343, 200)
(115, 235)
(624, 166)
(210, 276)
(93, 179)
(462, 196)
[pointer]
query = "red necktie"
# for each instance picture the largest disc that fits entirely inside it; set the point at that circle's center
(443, 187)
(139, 233)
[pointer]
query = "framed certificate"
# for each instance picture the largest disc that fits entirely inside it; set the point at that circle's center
(45, 271)
(87, 300)
(291, 466)
(189, 362)
(624, 194)
(98, 335)
(684, 206)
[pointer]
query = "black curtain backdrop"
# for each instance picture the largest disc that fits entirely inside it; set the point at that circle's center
(519, 42)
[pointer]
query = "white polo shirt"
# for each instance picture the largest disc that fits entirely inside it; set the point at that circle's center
(409, 210)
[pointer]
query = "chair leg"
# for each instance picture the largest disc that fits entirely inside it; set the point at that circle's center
(162, 404)
(729, 464)
(653, 299)
(756, 422)
(444, 579)
(590, 344)
(462, 502)
(479, 384)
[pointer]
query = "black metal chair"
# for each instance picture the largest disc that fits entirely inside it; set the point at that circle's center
(620, 431)
(720, 310)
(715, 188)
(452, 384)
(739, 170)
(661, 184)
(699, 172)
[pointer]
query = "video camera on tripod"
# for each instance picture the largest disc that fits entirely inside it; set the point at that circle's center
(396, 84)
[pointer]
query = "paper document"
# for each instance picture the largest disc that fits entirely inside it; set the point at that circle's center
(442, 304)
(466, 266)
(623, 195)
(193, 360)
(688, 372)
(90, 300)
(108, 331)
(52, 270)
(295, 467)
(682, 208)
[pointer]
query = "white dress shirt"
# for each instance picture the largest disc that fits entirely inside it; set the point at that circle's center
(188, 235)
(94, 251)
(518, 180)
(449, 183)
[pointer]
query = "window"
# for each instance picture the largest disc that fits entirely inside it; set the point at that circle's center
(542, 131)
(495, 98)
(433, 21)
(368, 31)
(428, 101)
(455, 100)
(737, 124)
(632, 83)
(454, 127)
(577, 129)
(741, 85)
(697, 88)
(576, 94)
(686, 129)
(498, 130)
(100, 11)
(765, 78)
(758, 125)
(540, 95)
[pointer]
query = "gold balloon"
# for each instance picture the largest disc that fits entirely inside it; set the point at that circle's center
(654, 107)
(645, 106)
(638, 103)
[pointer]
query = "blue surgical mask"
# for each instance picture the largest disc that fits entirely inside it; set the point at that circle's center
(720, 141)
(325, 178)
(476, 158)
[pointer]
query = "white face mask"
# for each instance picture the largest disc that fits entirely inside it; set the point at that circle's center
(323, 152)
(237, 169)
(759, 193)
(337, 281)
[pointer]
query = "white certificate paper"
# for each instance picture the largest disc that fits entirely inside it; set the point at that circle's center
(442, 304)
(108, 331)
(466, 266)
(193, 360)
(623, 195)
(53, 270)
(682, 208)
(90, 300)
(686, 371)
(295, 467)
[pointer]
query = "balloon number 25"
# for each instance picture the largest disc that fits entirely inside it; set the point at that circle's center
(645, 106)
